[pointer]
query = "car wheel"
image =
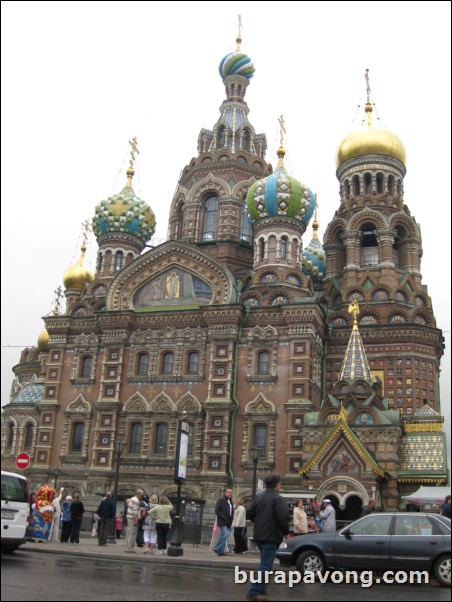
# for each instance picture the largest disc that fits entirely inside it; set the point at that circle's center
(441, 570)
(310, 560)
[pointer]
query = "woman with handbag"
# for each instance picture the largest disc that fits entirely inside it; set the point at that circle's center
(149, 530)
(239, 526)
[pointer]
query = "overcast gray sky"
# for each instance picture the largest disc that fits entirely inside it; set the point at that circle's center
(79, 79)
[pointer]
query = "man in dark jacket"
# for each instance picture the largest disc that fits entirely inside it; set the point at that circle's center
(270, 515)
(225, 513)
(106, 512)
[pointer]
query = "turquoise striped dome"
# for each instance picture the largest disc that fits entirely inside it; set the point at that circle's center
(313, 257)
(280, 194)
(236, 63)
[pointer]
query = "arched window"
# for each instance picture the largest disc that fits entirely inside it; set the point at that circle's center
(369, 245)
(77, 437)
(118, 260)
(10, 436)
(391, 185)
(135, 438)
(260, 438)
(167, 363)
(245, 139)
(142, 364)
(221, 137)
(367, 183)
(193, 362)
(161, 433)
(283, 247)
(29, 436)
(261, 249)
(355, 185)
(246, 230)
(209, 230)
(379, 182)
(85, 371)
(263, 360)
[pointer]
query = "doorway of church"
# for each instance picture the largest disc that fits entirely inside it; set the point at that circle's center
(352, 510)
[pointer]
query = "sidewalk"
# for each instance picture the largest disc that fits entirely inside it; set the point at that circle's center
(196, 555)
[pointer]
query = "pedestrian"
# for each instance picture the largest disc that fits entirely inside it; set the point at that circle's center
(56, 516)
(77, 510)
(328, 516)
(133, 514)
(118, 525)
(66, 519)
(239, 526)
(106, 512)
(270, 515)
(161, 513)
(300, 519)
(369, 509)
(225, 515)
(445, 510)
(149, 527)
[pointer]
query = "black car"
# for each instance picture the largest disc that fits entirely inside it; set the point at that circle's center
(378, 542)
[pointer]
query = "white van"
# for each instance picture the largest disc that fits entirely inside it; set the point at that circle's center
(15, 510)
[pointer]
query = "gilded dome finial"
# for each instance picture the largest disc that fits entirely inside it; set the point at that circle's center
(238, 39)
(368, 108)
(77, 276)
(281, 150)
(353, 309)
(134, 150)
(315, 223)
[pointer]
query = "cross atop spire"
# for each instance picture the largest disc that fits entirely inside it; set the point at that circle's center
(86, 230)
(238, 39)
(282, 130)
(134, 150)
(58, 296)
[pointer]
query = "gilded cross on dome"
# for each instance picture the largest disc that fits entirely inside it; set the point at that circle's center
(86, 230)
(58, 295)
(134, 150)
(282, 130)
(239, 33)
(353, 309)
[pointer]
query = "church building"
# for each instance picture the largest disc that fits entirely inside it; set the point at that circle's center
(325, 358)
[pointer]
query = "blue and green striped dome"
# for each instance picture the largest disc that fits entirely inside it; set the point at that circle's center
(280, 194)
(313, 257)
(124, 213)
(236, 63)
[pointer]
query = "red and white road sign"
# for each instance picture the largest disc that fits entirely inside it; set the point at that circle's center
(22, 461)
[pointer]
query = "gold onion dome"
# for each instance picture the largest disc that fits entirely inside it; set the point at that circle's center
(43, 341)
(370, 141)
(77, 276)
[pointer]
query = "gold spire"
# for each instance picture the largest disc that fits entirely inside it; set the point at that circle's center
(353, 309)
(315, 223)
(281, 150)
(368, 108)
(58, 296)
(134, 150)
(77, 276)
(238, 39)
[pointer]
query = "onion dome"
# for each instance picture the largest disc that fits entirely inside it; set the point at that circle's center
(125, 213)
(236, 63)
(370, 140)
(43, 341)
(77, 276)
(280, 194)
(313, 257)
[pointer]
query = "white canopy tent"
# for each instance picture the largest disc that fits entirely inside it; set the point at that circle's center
(427, 495)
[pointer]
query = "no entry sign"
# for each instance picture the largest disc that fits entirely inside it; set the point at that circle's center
(22, 461)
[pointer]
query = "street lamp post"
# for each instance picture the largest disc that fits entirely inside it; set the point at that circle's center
(254, 452)
(120, 445)
(180, 473)
(57, 474)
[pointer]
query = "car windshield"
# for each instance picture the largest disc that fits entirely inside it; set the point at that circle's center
(372, 525)
(14, 489)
